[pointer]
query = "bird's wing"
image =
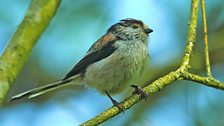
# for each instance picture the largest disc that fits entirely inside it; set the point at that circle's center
(101, 49)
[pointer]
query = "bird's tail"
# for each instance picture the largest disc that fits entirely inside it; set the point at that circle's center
(44, 89)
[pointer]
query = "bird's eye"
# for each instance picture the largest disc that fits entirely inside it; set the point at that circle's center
(135, 26)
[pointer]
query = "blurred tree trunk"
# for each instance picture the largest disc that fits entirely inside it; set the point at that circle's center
(36, 20)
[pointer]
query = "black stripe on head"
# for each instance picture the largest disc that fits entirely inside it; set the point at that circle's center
(112, 28)
(130, 21)
(125, 22)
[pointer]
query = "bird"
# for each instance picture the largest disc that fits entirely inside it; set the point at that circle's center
(114, 62)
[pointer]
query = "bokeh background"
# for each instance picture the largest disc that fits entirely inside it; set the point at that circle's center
(79, 23)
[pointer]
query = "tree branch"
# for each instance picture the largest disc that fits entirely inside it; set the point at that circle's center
(191, 36)
(149, 90)
(207, 62)
(36, 20)
(208, 81)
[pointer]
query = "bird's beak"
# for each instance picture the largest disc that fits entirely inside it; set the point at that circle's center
(148, 30)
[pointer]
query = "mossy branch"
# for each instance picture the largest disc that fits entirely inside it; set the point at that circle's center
(192, 28)
(150, 89)
(179, 74)
(36, 20)
(208, 81)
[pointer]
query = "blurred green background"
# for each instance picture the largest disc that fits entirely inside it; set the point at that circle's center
(77, 25)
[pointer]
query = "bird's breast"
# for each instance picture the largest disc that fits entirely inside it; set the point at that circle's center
(121, 69)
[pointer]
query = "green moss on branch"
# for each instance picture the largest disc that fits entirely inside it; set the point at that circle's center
(208, 81)
(191, 36)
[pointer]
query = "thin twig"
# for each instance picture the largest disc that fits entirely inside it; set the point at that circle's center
(208, 81)
(207, 61)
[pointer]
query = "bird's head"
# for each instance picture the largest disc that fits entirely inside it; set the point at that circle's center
(130, 29)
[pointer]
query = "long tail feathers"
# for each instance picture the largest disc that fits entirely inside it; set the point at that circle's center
(43, 89)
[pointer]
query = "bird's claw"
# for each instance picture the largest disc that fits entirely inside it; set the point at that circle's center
(115, 103)
(138, 90)
(118, 105)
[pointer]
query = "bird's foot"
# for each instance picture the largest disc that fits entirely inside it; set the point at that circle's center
(115, 103)
(138, 90)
